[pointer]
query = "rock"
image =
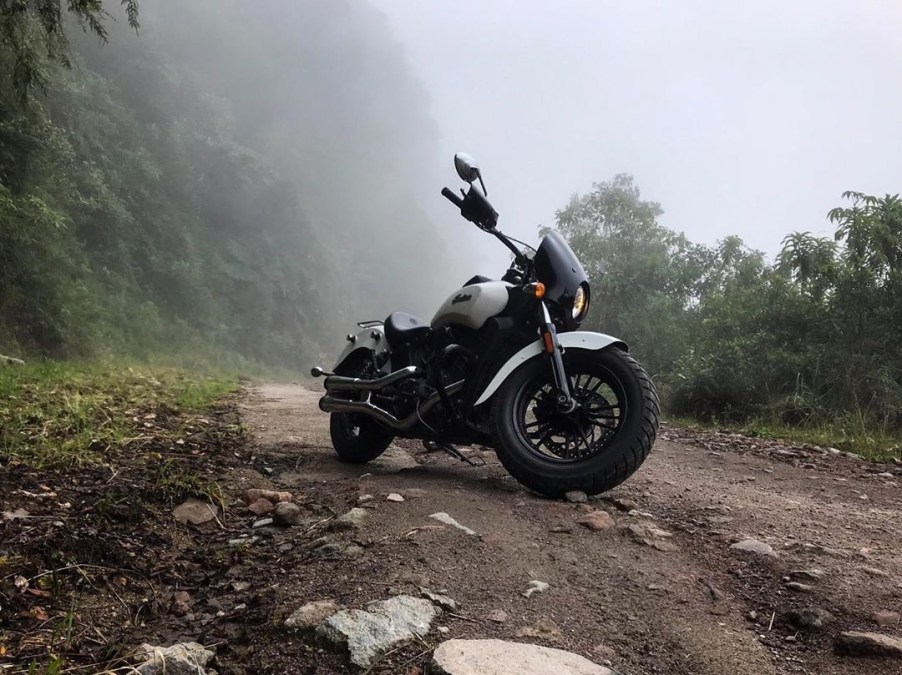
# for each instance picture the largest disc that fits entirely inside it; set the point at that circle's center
(353, 551)
(443, 517)
(393, 460)
(181, 603)
(596, 520)
(576, 497)
(535, 586)
(263, 522)
(442, 601)
(500, 657)
(363, 499)
(194, 511)
(413, 493)
(885, 618)
(806, 575)
(854, 643)
(544, 629)
(255, 494)
(261, 507)
(810, 618)
(874, 572)
(651, 535)
(184, 658)
(754, 546)
(287, 514)
(242, 541)
(395, 497)
(11, 360)
(308, 617)
(350, 520)
(367, 635)
(444, 630)
(799, 587)
(622, 503)
(239, 586)
(497, 615)
(562, 529)
(329, 548)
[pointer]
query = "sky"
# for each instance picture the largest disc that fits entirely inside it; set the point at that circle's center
(738, 118)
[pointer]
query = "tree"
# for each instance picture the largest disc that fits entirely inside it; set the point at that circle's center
(34, 32)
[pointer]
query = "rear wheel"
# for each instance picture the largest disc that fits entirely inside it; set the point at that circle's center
(357, 438)
(592, 449)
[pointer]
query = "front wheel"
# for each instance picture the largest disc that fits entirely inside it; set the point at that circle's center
(594, 448)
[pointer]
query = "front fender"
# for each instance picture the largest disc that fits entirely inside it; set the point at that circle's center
(574, 340)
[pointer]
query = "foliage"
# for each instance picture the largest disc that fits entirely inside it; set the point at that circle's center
(810, 341)
(68, 414)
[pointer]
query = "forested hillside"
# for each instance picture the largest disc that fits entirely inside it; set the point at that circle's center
(194, 187)
(810, 339)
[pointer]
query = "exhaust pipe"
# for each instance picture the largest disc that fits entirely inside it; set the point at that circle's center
(339, 383)
(330, 404)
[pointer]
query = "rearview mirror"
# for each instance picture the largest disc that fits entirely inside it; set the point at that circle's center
(466, 166)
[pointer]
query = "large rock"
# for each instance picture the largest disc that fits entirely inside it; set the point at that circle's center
(367, 635)
(499, 657)
(393, 460)
(184, 658)
(868, 644)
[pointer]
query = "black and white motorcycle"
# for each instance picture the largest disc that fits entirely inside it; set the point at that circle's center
(502, 364)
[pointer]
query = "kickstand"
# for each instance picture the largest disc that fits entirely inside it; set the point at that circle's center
(452, 450)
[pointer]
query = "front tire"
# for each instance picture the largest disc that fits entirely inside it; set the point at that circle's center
(593, 449)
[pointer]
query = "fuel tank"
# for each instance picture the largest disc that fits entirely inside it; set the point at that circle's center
(473, 305)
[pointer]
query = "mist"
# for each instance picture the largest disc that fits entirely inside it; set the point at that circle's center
(746, 119)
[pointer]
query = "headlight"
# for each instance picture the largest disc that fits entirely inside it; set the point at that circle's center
(580, 303)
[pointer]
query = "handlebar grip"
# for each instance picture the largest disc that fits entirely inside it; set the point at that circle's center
(453, 198)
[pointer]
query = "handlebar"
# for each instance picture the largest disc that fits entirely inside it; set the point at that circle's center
(453, 198)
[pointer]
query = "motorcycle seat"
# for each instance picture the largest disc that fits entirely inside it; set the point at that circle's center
(402, 328)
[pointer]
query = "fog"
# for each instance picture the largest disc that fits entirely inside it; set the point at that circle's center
(739, 118)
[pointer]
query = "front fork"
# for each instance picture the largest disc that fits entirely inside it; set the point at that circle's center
(554, 351)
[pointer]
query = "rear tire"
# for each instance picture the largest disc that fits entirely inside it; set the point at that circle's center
(593, 451)
(358, 439)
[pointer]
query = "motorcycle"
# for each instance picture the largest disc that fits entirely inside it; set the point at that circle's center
(503, 365)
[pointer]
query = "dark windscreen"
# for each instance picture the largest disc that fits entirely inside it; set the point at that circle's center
(558, 268)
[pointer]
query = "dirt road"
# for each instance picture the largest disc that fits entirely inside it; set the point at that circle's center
(628, 593)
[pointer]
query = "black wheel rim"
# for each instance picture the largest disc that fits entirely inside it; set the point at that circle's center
(571, 437)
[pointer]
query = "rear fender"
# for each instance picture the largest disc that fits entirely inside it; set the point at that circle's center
(371, 339)
(574, 340)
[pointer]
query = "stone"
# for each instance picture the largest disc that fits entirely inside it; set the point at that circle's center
(806, 575)
(393, 460)
(874, 572)
(363, 499)
(443, 517)
(497, 615)
(442, 601)
(562, 529)
(413, 493)
(309, 616)
(544, 629)
(651, 535)
(596, 520)
(576, 497)
(444, 630)
(754, 546)
(367, 635)
(854, 643)
(353, 551)
(350, 520)
(287, 514)
(181, 603)
(263, 522)
(261, 507)
(535, 586)
(254, 494)
(501, 657)
(885, 618)
(394, 497)
(799, 587)
(810, 618)
(184, 658)
(195, 512)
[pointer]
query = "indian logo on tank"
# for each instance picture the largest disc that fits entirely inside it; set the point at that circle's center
(460, 297)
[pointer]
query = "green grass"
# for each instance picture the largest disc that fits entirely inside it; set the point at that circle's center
(58, 414)
(848, 433)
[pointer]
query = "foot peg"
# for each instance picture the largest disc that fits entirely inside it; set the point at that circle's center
(454, 451)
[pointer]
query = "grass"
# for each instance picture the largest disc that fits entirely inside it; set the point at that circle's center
(848, 434)
(59, 414)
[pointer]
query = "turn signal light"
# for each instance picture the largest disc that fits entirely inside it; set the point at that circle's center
(540, 289)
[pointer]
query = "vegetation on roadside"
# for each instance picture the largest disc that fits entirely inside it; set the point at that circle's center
(805, 346)
(59, 415)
